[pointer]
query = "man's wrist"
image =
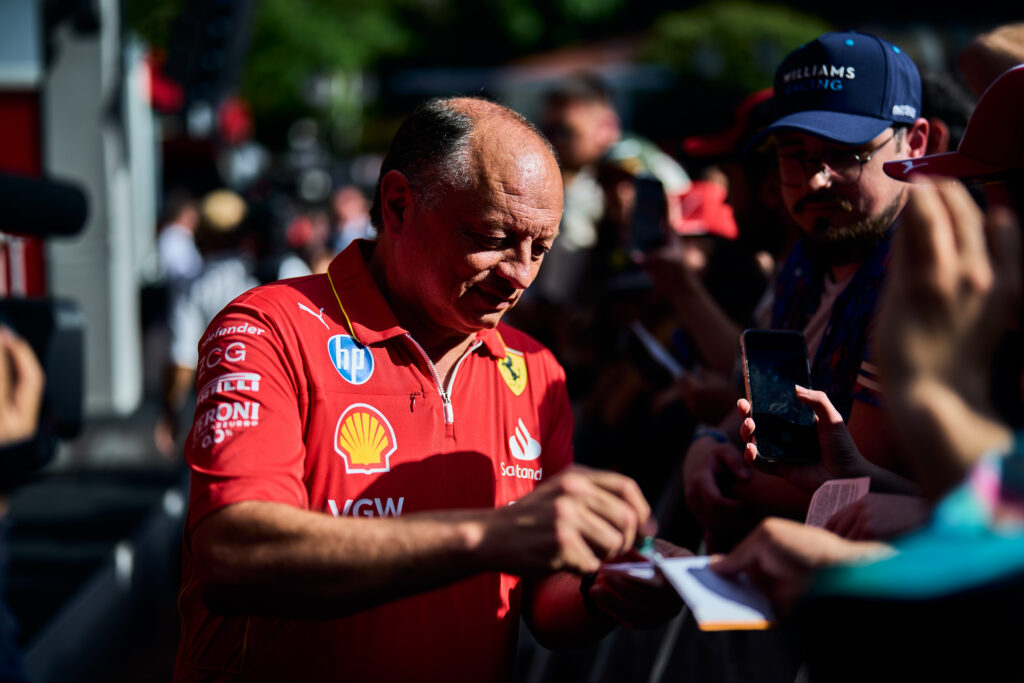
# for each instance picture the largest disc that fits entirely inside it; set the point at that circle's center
(709, 433)
(599, 616)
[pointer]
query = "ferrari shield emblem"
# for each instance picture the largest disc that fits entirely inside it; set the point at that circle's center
(513, 370)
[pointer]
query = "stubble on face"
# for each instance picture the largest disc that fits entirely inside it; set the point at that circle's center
(837, 243)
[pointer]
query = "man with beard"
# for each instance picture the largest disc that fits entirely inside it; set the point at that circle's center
(847, 103)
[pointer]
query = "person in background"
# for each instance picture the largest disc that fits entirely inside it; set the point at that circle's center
(737, 197)
(21, 394)
(832, 133)
(227, 271)
(350, 214)
(937, 602)
(178, 257)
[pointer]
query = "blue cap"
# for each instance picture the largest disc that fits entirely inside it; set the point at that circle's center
(846, 87)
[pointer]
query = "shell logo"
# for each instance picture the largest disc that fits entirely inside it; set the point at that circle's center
(364, 439)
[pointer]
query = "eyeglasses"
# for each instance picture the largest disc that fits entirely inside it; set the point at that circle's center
(844, 167)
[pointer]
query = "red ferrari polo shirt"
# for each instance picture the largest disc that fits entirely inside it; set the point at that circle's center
(311, 394)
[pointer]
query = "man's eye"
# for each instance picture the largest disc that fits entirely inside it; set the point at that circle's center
(489, 241)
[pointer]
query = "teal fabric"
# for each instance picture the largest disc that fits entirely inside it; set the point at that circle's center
(961, 548)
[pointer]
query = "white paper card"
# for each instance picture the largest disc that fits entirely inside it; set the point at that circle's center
(718, 603)
(833, 496)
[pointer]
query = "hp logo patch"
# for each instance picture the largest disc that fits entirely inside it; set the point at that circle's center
(353, 362)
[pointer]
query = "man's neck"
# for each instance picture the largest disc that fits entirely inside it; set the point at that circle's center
(443, 350)
(443, 347)
(842, 273)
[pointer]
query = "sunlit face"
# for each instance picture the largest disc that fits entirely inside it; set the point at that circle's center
(581, 132)
(829, 210)
(470, 256)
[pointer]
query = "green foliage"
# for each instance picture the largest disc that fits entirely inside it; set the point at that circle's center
(739, 43)
(523, 23)
(590, 10)
(152, 19)
(293, 40)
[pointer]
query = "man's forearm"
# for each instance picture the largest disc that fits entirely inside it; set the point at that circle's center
(717, 337)
(947, 433)
(276, 560)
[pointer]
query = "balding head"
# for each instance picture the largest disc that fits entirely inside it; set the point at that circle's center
(433, 148)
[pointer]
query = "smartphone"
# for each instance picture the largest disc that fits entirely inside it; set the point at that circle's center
(649, 214)
(774, 362)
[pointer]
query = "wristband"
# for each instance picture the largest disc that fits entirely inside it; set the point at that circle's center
(710, 432)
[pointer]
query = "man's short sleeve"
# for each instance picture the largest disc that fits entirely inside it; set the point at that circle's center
(558, 418)
(246, 439)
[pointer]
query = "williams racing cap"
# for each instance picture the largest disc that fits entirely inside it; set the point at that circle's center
(846, 87)
(992, 144)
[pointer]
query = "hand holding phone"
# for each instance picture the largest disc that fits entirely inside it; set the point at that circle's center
(774, 362)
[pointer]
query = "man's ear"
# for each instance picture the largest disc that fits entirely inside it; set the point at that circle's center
(396, 200)
(917, 138)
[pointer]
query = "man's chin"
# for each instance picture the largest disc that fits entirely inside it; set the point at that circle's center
(491, 320)
(838, 245)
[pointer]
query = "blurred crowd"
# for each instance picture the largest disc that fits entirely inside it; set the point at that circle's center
(813, 210)
(214, 247)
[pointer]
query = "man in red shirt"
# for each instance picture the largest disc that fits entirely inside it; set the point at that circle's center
(361, 437)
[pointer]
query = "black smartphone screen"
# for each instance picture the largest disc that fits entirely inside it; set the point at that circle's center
(648, 229)
(773, 363)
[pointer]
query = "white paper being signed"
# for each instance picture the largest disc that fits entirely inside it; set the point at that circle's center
(718, 603)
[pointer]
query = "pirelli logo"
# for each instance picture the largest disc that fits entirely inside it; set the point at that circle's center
(233, 381)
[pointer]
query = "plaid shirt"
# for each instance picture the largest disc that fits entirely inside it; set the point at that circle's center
(842, 366)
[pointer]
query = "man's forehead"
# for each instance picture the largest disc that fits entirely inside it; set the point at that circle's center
(513, 158)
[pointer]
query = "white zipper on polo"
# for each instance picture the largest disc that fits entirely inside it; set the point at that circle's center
(444, 393)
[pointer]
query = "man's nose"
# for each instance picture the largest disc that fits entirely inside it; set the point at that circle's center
(821, 178)
(517, 267)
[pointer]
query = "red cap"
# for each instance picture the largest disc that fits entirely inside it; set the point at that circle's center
(704, 211)
(992, 143)
(731, 139)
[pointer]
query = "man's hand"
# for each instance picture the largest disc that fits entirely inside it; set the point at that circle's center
(840, 458)
(950, 295)
(709, 467)
(573, 521)
(21, 388)
(708, 395)
(953, 288)
(780, 557)
(633, 602)
(879, 516)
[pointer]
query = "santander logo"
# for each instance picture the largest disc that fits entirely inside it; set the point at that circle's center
(522, 445)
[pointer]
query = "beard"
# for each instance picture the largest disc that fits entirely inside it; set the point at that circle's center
(837, 245)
